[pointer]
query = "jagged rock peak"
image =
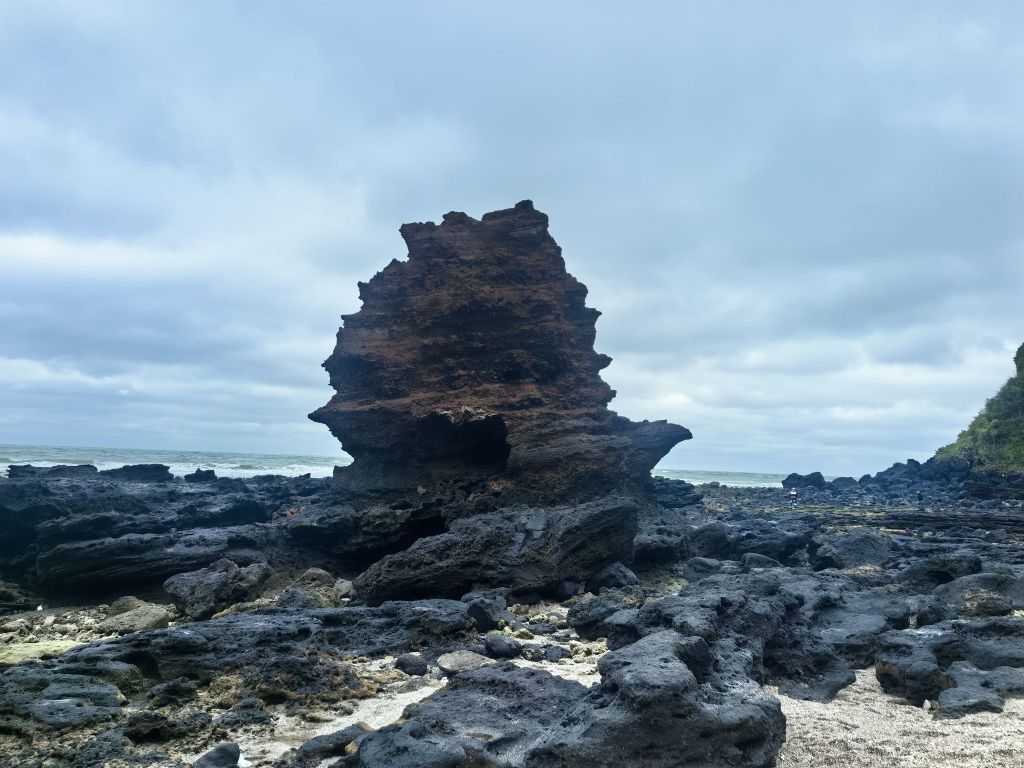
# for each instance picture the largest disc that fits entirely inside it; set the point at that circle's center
(473, 362)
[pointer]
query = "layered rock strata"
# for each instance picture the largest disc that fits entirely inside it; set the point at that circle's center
(473, 363)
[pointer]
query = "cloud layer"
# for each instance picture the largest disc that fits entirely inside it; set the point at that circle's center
(802, 223)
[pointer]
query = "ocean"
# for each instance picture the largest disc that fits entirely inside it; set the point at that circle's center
(250, 464)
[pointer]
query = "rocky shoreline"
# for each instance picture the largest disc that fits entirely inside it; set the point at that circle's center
(496, 580)
(733, 590)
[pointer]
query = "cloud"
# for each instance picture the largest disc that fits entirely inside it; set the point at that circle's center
(801, 224)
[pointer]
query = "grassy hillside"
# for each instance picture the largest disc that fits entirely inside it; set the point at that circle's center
(994, 441)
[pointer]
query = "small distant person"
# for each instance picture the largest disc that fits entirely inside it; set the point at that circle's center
(791, 496)
(920, 500)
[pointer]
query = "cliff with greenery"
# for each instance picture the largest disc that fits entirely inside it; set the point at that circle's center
(994, 441)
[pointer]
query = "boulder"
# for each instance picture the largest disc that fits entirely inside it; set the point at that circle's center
(137, 619)
(200, 476)
(651, 703)
(26, 471)
(813, 480)
(200, 594)
(921, 664)
(145, 558)
(486, 609)
(522, 549)
(139, 473)
(224, 755)
(615, 575)
(861, 546)
(412, 664)
(461, 661)
(498, 645)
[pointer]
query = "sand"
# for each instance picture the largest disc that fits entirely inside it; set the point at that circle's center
(863, 727)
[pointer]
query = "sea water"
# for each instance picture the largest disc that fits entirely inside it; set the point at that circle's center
(251, 464)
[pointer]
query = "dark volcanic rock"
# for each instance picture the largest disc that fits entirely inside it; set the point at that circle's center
(276, 656)
(412, 664)
(140, 558)
(779, 538)
(519, 549)
(863, 546)
(473, 361)
(615, 575)
(966, 666)
(486, 609)
(224, 755)
(659, 702)
(81, 535)
(813, 480)
(140, 473)
(201, 476)
(25, 471)
(200, 594)
(662, 700)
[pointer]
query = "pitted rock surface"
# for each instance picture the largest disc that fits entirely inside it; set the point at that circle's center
(473, 361)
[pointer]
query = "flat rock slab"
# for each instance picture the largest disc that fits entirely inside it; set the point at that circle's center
(461, 661)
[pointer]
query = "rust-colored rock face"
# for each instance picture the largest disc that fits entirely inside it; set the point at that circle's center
(472, 365)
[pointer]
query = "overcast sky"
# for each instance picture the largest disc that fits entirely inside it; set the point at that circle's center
(801, 220)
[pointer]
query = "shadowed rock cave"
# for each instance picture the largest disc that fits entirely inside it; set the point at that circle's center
(480, 442)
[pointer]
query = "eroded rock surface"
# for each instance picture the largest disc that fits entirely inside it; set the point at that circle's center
(473, 362)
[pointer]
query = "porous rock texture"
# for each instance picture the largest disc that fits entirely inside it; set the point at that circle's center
(473, 363)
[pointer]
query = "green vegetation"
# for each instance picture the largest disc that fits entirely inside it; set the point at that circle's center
(15, 652)
(994, 441)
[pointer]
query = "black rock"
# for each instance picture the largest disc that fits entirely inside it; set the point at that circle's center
(200, 476)
(202, 593)
(520, 549)
(754, 560)
(331, 744)
(922, 664)
(862, 546)
(587, 615)
(224, 755)
(26, 471)
(554, 653)
(924, 575)
(498, 645)
(412, 664)
(486, 609)
(813, 480)
(615, 575)
(652, 702)
(139, 473)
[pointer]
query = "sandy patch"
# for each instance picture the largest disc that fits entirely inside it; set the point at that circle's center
(863, 728)
(290, 732)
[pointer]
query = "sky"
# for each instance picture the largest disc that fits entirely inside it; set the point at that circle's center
(800, 220)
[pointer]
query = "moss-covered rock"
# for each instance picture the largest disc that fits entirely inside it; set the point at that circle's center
(994, 441)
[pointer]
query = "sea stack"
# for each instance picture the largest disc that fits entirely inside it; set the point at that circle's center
(471, 366)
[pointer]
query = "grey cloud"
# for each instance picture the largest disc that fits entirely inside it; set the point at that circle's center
(801, 223)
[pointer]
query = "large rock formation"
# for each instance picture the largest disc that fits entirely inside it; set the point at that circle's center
(473, 363)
